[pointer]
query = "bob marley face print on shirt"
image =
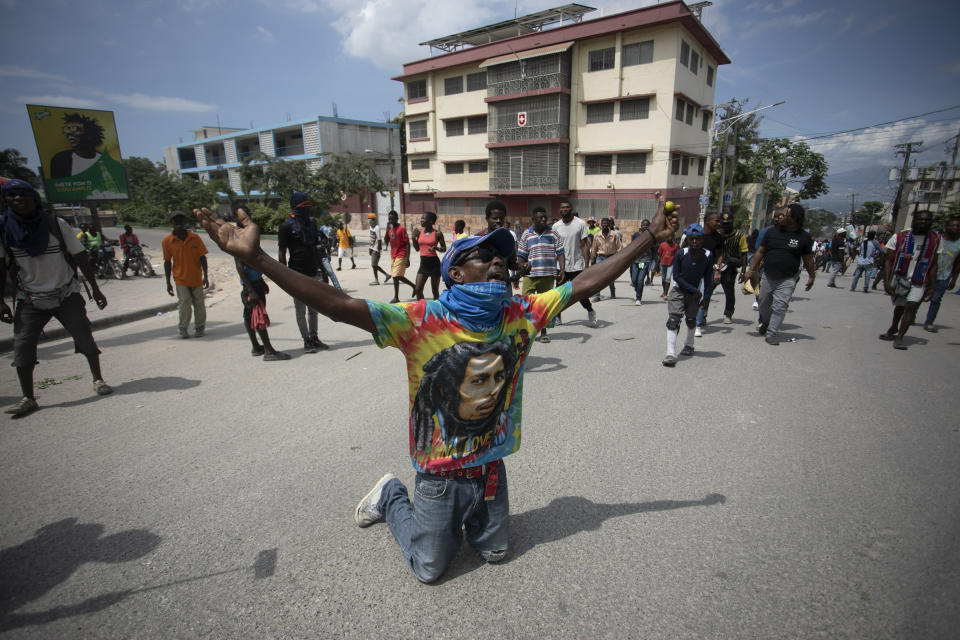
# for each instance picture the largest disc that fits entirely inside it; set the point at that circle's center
(465, 386)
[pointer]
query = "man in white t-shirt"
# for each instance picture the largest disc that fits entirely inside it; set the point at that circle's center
(375, 246)
(910, 274)
(575, 235)
(46, 286)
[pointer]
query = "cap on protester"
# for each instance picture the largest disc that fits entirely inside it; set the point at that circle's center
(371, 216)
(694, 231)
(841, 230)
(175, 213)
(299, 199)
(501, 239)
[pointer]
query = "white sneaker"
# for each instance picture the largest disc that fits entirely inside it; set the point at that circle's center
(697, 333)
(756, 305)
(637, 303)
(592, 319)
(367, 513)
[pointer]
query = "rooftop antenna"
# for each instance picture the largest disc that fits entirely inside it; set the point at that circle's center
(335, 110)
(697, 8)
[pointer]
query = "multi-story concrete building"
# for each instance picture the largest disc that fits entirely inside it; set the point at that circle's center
(603, 112)
(216, 149)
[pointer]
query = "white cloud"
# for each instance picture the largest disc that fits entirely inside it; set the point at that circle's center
(59, 101)
(14, 71)
(848, 22)
(879, 25)
(159, 103)
(264, 34)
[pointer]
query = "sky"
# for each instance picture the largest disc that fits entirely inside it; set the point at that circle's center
(889, 71)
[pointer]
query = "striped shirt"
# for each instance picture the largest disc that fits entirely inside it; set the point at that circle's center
(541, 250)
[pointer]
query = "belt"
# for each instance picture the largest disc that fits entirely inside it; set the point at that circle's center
(491, 471)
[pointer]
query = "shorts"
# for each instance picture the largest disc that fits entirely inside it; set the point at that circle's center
(261, 289)
(29, 321)
(666, 270)
(429, 266)
(540, 284)
(344, 253)
(680, 303)
(914, 297)
(398, 266)
(374, 258)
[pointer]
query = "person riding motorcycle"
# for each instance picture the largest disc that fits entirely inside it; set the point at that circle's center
(130, 245)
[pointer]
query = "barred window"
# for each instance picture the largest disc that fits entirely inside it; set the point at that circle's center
(675, 164)
(477, 81)
(685, 165)
(453, 85)
(453, 167)
(597, 165)
(684, 53)
(638, 53)
(710, 72)
(701, 166)
(681, 109)
(416, 129)
(417, 164)
(601, 59)
(694, 62)
(477, 124)
(452, 206)
(478, 166)
(690, 108)
(632, 163)
(706, 121)
(638, 109)
(416, 89)
(600, 112)
(453, 127)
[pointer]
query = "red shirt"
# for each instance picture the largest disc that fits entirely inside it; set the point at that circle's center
(397, 237)
(667, 252)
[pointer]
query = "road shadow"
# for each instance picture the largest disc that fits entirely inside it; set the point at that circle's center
(708, 354)
(536, 364)
(562, 518)
(566, 335)
(156, 384)
(794, 337)
(30, 570)
(214, 330)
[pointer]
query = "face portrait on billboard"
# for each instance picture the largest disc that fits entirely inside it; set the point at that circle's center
(84, 135)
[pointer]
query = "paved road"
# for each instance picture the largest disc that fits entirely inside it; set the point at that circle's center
(800, 491)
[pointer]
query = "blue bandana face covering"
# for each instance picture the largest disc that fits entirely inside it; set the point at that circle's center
(477, 305)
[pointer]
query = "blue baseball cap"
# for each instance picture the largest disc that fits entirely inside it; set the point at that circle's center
(500, 238)
(694, 230)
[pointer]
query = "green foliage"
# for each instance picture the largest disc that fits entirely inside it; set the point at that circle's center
(14, 165)
(267, 217)
(790, 162)
(155, 193)
(739, 131)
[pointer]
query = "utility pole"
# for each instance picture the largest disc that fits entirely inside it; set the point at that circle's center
(904, 149)
(853, 205)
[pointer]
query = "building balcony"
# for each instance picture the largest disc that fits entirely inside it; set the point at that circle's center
(188, 164)
(290, 150)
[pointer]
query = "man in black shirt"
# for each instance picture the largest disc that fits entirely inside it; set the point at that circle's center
(712, 242)
(781, 251)
(298, 235)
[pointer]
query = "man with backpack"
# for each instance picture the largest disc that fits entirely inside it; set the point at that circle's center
(42, 254)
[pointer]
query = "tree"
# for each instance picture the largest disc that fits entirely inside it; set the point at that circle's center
(820, 222)
(154, 193)
(783, 162)
(346, 175)
(739, 132)
(14, 165)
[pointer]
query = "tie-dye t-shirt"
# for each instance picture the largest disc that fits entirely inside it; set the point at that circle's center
(466, 387)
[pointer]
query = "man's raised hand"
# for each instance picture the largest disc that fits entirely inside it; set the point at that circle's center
(242, 243)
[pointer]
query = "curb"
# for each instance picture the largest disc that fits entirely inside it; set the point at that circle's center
(57, 333)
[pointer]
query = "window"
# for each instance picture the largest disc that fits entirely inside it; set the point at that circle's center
(419, 163)
(684, 53)
(694, 62)
(706, 121)
(478, 166)
(685, 165)
(635, 109)
(453, 127)
(597, 165)
(681, 108)
(675, 164)
(600, 112)
(477, 81)
(632, 163)
(454, 167)
(638, 53)
(601, 59)
(416, 129)
(689, 113)
(453, 85)
(477, 124)
(710, 72)
(416, 89)
(701, 166)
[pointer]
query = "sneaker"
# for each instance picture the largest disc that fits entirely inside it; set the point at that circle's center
(387, 279)
(898, 343)
(256, 351)
(727, 320)
(762, 328)
(308, 347)
(592, 319)
(669, 361)
(367, 513)
(319, 345)
(22, 408)
(686, 351)
(697, 333)
(184, 334)
(636, 303)
(772, 340)
(198, 333)
(544, 339)
(276, 356)
(375, 283)
(613, 296)
(889, 337)
(930, 328)
(756, 305)
(832, 286)
(101, 388)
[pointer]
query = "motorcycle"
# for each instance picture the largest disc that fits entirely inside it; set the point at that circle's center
(104, 261)
(138, 262)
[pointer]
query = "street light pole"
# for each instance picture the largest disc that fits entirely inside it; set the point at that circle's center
(714, 133)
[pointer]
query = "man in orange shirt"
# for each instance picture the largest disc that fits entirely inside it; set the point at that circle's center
(188, 255)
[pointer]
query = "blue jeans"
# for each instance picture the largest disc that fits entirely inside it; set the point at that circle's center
(613, 291)
(430, 530)
(638, 276)
(939, 288)
(328, 268)
(868, 271)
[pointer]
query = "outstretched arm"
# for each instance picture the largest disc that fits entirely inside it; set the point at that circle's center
(244, 244)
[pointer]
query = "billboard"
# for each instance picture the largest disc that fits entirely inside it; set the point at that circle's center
(79, 154)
